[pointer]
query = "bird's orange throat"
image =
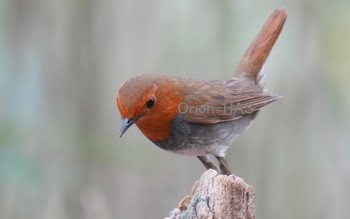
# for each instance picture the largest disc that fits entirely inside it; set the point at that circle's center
(155, 131)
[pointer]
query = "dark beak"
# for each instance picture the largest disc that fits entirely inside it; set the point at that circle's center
(126, 124)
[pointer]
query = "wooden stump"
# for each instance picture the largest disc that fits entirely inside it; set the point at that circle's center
(217, 196)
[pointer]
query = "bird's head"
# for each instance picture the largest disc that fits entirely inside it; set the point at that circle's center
(151, 102)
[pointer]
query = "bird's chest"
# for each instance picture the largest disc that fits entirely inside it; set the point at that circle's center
(202, 139)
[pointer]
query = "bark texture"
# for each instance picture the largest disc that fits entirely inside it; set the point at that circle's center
(217, 196)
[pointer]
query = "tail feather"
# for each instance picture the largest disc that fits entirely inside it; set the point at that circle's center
(260, 48)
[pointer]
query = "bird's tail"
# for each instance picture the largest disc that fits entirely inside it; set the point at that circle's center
(258, 51)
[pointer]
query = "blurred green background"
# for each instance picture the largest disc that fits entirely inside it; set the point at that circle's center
(61, 65)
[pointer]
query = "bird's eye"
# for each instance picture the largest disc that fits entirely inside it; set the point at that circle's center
(150, 103)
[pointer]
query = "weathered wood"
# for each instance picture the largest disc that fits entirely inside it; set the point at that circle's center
(217, 196)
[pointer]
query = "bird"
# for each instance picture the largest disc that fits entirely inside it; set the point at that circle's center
(201, 118)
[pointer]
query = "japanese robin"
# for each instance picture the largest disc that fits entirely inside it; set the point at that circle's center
(201, 117)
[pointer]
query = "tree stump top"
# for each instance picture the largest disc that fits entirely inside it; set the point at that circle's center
(217, 196)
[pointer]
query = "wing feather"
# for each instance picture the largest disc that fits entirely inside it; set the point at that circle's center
(214, 103)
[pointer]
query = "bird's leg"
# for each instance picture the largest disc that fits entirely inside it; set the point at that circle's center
(223, 166)
(207, 163)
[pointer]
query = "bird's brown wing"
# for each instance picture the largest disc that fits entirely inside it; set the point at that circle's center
(214, 103)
